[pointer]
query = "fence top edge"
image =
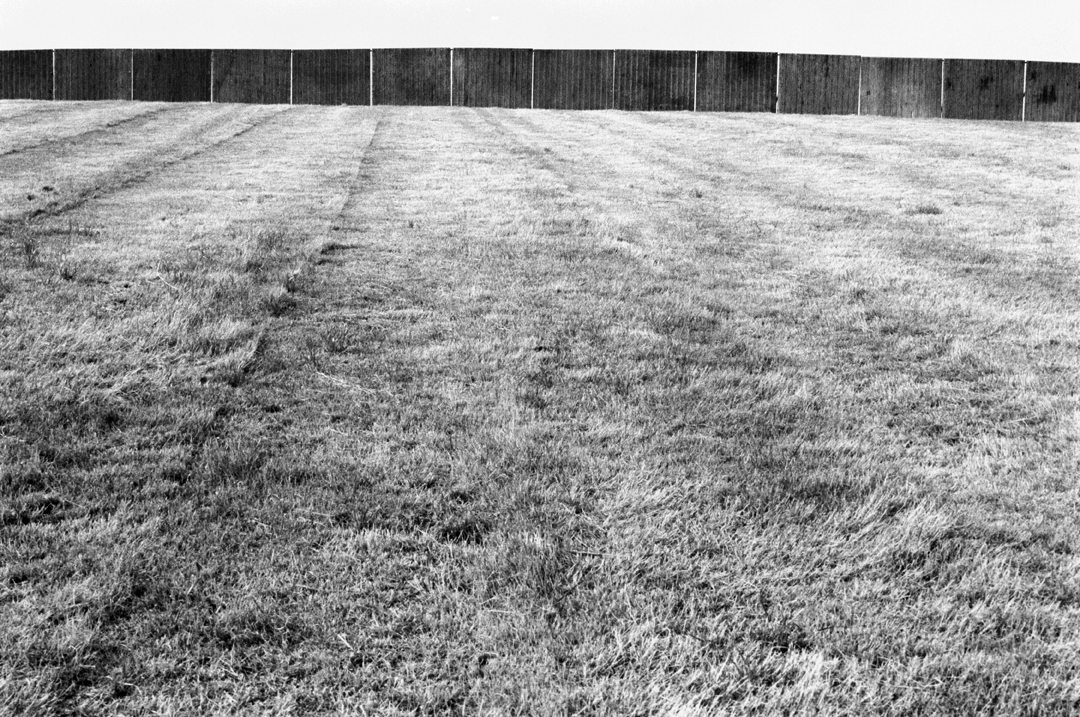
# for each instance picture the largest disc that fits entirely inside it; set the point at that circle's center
(526, 49)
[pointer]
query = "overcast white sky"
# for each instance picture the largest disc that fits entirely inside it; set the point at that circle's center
(992, 29)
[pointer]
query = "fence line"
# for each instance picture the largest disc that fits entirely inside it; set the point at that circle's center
(413, 76)
(331, 77)
(818, 84)
(705, 81)
(654, 80)
(573, 79)
(900, 87)
(984, 89)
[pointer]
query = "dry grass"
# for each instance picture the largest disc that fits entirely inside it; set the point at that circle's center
(408, 411)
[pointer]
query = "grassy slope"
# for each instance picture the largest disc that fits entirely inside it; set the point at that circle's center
(426, 411)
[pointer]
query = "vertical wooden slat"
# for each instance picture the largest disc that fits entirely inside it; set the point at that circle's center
(93, 74)
(573, 79)
(488, 77)
(736, 82)
(901, 87)
(818, 84)
(171, 75)
(984, 89)
(413, 76)
(1053, 92)
(654, 80)
(26, 75)
(331, 77)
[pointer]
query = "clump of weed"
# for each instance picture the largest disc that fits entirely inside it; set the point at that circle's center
(261, 250)
(277, 301)
(235, 462)
(312, 349)
(297, 279)
(67, 270)
(337, 339)
(220, 337)
(931, 209)
(1049, 221)
(28, 245)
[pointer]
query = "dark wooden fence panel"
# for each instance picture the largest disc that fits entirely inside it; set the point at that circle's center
(573, 79)
(26, 75)
(654, 80)
(983, 89)
(736, 82)
(487, 77)
(252, 76)
(93, 74)
(901, 87)
(414, 76)
(1053, 92)
(818, 84)
(171, 75)
(332, 77)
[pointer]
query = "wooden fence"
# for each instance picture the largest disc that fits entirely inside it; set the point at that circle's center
(818, 85)
(171, 75)
(573, 79)
(492, 78)
(331, 77)
(983, 89)
(900, 87)
(654, 80)
(557, 79)
(411, 77)
(1053, 92)
(26, 75)
(252, 76)
(736, 82)
(92, 75)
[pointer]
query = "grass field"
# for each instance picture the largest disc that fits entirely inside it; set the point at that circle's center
(444, 411)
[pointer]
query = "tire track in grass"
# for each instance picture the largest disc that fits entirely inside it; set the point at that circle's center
(513, 401)
(813, 540)
(172, 470)
(487, 461)
(70, 132)
(133, 245)
(959, 330)
(859, 199)
(18, 110)
(821, 247)
(409, 417)
(671, 356)
(126, 160)
(15, 111)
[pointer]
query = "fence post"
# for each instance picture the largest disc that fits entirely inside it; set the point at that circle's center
(695, 79)
(1023, 102)
(941, 107)
(858, 104)
(613, 79)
